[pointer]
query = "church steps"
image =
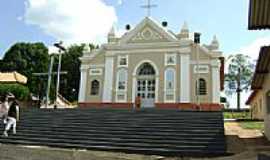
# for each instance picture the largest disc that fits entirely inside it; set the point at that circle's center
(128, 128)
(97, 132)
(150, 131)
(133, 124)
(184, 146)
(116, 141)
(127, 134)
(116, 137)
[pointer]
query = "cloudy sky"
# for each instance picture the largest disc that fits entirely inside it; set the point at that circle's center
(76, 21)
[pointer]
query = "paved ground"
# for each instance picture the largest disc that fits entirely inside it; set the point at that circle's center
(246, 144)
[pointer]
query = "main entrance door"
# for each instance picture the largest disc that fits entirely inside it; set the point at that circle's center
(146, 85)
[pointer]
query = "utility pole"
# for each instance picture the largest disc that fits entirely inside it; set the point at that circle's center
(61, 48)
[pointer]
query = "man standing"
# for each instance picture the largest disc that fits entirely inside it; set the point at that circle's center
(13, 117)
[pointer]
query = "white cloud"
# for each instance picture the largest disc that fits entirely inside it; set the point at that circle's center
(120, 2)
(71, 20)
(253, 49)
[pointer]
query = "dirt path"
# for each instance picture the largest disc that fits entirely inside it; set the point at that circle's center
(233, 128)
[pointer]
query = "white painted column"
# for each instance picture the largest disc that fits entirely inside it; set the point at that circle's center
(185, 78)
(108, 80)
(134, 85)
(83, 82)
(215, 64)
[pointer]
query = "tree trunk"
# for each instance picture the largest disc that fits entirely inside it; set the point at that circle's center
(238, 89)
(238, 100)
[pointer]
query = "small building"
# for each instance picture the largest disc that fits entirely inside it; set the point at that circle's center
(165, 69)
(12, 77)
(259, 100)
(256, 105)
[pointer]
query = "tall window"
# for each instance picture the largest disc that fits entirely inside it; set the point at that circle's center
(122, 80)
(169, 85)
(202, 87)
(94, 87)
(169, 78)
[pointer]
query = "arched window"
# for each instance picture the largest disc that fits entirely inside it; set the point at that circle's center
(202, 87)
(146, 69)
(169, 79)
(94, 87)
(122, 80)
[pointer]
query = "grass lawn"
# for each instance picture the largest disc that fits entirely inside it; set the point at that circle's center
(237, 115)
(252, 125)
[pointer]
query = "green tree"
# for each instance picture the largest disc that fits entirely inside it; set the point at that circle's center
(239, 75)
(27, 58)
(71, 63)
(21, 92)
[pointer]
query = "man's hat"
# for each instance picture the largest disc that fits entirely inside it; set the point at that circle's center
(10, 95)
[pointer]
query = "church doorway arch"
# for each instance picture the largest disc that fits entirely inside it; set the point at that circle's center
(146, 84)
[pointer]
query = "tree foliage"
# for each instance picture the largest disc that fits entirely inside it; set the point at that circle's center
(239, 76)
(21, 92)
(27, 58)
(71, 63)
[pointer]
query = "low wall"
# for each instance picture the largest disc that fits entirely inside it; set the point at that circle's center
(180, 106)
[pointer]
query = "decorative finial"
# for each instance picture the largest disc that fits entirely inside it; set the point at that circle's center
(184, 33)
(86, 49)
(184, 27)
(215, 43)
(112, 31)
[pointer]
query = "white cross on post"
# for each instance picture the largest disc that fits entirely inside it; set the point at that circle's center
(148, 7)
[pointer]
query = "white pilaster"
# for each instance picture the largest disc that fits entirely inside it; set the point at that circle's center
(185, 78)
(83, 82)
(108, 80)
(215, 81)
(133, 89)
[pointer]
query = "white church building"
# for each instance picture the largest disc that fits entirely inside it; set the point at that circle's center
(166, 69)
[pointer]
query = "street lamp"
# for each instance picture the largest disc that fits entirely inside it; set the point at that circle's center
(61, 48)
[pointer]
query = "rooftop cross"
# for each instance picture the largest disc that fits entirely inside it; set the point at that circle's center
(148, 7)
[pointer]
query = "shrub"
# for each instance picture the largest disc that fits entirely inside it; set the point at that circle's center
(21, 92)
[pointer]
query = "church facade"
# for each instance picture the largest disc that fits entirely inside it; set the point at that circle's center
(165, 69)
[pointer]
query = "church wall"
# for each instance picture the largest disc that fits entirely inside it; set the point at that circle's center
(98, 97)
(207, 76)
(206, 60)
(96, 63)
(202, 54)
(158, 60)
(135, 59)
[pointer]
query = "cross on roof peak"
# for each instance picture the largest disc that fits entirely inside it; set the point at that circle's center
(148, 7)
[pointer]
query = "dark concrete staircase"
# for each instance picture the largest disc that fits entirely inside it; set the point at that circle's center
(160, 132)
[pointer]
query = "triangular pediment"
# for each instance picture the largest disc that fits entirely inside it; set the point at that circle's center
(148, 31)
